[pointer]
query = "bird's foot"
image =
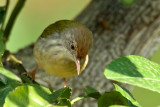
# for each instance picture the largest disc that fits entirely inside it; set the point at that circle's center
(32, 74)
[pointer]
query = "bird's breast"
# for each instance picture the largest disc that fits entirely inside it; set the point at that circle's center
(54, 58)
(61, 66)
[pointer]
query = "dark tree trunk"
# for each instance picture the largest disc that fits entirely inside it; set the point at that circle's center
(118, 31)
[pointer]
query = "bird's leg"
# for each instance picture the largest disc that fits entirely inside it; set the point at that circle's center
(33, 73)
(64, 82)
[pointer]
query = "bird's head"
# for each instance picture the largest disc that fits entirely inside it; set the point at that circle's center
(78, 41)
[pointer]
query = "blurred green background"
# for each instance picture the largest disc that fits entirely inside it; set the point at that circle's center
(36, 15)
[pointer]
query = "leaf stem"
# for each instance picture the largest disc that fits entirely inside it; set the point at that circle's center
(77, 99)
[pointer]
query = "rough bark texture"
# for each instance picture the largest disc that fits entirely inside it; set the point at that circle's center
(118, 31)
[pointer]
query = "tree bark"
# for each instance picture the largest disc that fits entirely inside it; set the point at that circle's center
(118, 31)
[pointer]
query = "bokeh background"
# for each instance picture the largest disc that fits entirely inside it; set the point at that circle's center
(36, 15)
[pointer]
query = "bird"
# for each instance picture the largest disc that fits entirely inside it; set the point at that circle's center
(62, 49)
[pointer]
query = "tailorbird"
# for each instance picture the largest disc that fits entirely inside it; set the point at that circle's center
(62, 49)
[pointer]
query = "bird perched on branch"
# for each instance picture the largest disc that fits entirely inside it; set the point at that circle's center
(62, 49)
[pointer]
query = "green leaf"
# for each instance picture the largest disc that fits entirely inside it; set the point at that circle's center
(91, 92)
(8, 74)
(2, 12)
(117, 106)
(135, 70)
(29, 95)
(3, 79)
(3, 92)
(65, 102)
(126, 95)
(5, 89)
(112, 98)
(64, 93)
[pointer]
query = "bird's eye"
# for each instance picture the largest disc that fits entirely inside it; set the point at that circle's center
(72, 47)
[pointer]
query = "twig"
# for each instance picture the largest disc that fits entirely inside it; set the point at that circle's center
(6, 10)
(14, 62)
(11, 21)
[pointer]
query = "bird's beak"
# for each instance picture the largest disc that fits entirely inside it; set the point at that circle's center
(77, 61)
